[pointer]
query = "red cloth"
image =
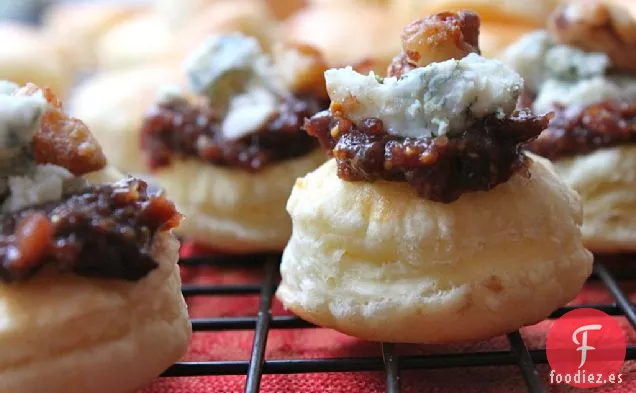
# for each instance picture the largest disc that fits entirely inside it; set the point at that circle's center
(324, 343)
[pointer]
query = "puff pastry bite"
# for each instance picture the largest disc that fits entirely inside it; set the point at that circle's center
(76, 27)
(429, 225)
(357, 33)
(583, 69)
(141, 39)
(180, 12)
(249, 17)
(92, 265)
(113, 104)
(529, 13)
(27, 55)
(228, 154)
(152, 37)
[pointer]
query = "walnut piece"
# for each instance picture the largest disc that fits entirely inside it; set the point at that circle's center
(63, 140)
(440, 37)
(597, 26)
(32, 237)
(303, 68)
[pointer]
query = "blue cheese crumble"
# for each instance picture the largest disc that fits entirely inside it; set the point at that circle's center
(441, 98)
(561, 74)
(240, 79)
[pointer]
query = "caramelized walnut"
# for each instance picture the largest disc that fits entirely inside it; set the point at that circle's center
(400, 66)
(63, 140)
(104, 231)
(440, 37)
(32, 237)
(367, 65)
(303, 68)
(579, 130)
(597, 26)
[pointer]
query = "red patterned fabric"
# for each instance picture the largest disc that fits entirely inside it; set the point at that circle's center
(323, 343)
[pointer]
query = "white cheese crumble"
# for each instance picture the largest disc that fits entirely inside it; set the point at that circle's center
(438, 99)
(7, 88)
(45, 184)
(19, 119)
(585, 92)
(249, 111)
(561, 74)
(22, 182)
(537, 57)
(240, 80)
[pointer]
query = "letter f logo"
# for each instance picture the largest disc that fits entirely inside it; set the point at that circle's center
(583, 344)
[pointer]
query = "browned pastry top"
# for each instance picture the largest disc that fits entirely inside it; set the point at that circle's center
(104, 231)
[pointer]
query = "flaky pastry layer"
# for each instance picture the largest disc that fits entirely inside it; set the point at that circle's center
(606, 180)
(375, 261)
(510, 11)
(231, 209)
(113, 105)
(61, 333)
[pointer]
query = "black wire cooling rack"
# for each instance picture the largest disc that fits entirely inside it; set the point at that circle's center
(390, 363)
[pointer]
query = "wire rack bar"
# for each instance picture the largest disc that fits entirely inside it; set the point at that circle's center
(525, 363)
(412, 362)
(293, 322)
(255, 367)
(391, 368)
(610, 309)
(389, 362)
(219, 290)
(229, 260)
(248, 323)
(621, 298)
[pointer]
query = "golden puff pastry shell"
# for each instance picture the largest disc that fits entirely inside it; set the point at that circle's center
(141, 39)
(249, 17)
(27, 55)
(375, 261)
(348, 34)
(231, 209)
(606, 180)
(531, 13)
(62, 333)
(76, 27)
(113, 105)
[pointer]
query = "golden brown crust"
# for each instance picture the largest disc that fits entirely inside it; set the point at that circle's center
(28, 55)
(515, 12)
(63, 140)
(343, 42)
(77, 26)
(283, 9)
(250, 17)
(597, 26)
